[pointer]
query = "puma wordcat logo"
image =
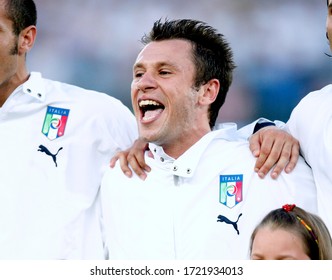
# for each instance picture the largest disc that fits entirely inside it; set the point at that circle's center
(222, 218)
(43, 149)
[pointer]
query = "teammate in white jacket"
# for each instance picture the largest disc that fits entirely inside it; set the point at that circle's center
(56, 142)
(311, 123)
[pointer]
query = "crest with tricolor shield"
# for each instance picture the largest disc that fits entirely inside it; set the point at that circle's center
(230, 191)
(55, 122)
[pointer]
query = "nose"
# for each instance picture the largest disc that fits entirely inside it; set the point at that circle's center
(146, 82)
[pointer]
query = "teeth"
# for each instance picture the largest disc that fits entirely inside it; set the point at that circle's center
(148, 102)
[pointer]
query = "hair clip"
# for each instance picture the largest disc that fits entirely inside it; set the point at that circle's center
(288, 207)
(312, 233)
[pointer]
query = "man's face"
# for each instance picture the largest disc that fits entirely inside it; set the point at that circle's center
(8, 48)
(163, 98)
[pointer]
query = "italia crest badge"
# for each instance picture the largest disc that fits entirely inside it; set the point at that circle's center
(230, 191)
(55, 122)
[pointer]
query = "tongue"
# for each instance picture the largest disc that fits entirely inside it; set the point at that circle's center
(152, 114)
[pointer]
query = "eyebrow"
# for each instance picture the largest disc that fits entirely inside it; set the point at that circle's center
(158, 64)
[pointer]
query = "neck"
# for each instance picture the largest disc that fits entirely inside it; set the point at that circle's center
(182, 144)
(7, 87)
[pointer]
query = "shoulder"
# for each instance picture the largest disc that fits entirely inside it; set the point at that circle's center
(73, 95)
(86, 100)
(228, 155)
(101, 109)
(316, 97)
(311, 113)
(79, 93)
(238, 147)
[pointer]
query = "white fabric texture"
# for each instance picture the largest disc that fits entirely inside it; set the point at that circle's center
(311, 123)
(48, 202)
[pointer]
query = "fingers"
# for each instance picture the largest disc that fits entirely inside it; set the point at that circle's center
(277, 150)
(122, 158)
(264, 148)
(283, 159)
(113, 160)
(287, 160)
(295, 154)
(254, 144)
(269, 155)
(137, 162)
(133, 157)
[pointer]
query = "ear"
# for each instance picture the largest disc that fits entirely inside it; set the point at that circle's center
(27, 39)
(209, 92)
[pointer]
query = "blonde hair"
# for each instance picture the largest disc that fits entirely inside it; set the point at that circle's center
(309, 227)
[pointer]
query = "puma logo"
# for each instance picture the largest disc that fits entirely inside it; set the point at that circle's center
(43, 149)
(227, 221)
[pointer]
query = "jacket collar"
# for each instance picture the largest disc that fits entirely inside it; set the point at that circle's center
(186, 164)
(35, 86)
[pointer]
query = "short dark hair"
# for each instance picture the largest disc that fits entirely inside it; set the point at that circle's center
(212, 55)
(22, 13)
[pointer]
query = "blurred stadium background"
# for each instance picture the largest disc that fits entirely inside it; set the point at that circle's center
(278, 47)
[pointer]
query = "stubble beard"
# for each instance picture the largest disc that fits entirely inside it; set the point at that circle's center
(14, 49)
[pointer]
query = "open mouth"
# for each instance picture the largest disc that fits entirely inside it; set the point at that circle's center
(150, 109)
